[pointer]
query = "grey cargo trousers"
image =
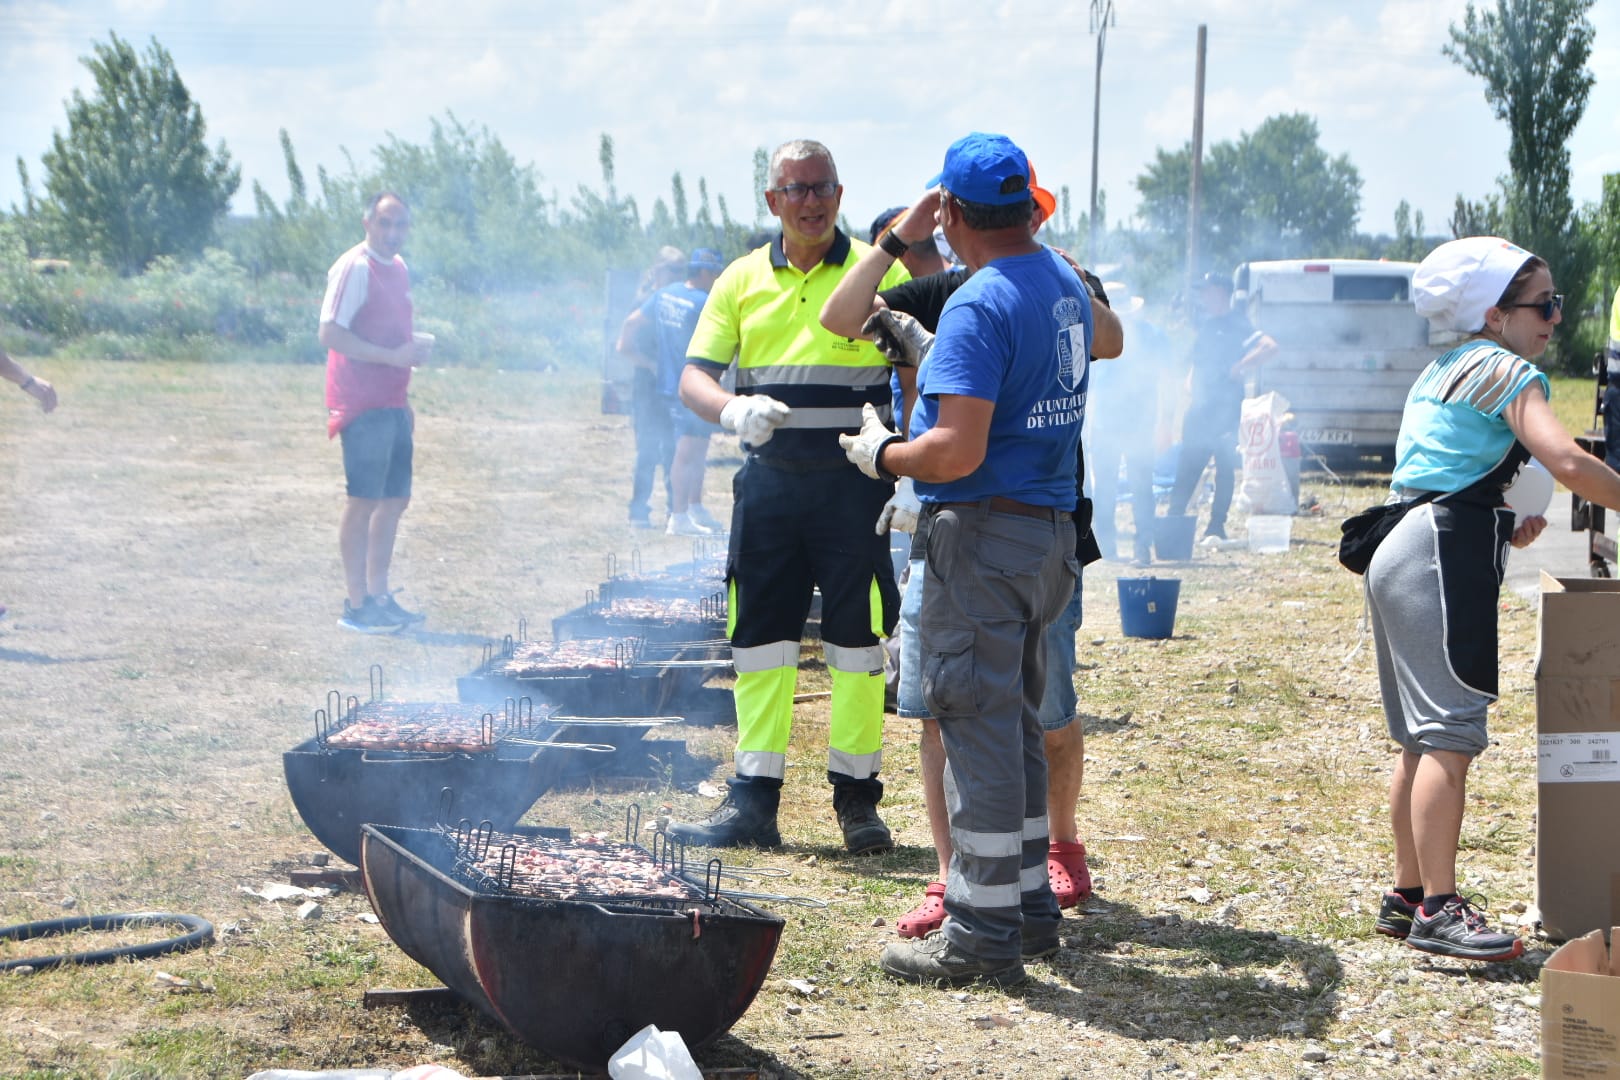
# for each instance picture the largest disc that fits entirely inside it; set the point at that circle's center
(995, 581)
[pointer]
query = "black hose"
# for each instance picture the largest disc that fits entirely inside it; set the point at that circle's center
(200, 932)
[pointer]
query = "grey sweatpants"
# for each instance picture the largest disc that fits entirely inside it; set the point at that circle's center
(1427, 650)
(994, 583)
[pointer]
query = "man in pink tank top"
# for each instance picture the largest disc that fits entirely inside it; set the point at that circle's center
(366, 328)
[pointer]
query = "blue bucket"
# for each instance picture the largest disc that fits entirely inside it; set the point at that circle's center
(1147, 606)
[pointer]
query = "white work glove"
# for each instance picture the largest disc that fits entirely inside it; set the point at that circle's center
(898, 336)
(754, 418)
(900, 513)
(863, 449)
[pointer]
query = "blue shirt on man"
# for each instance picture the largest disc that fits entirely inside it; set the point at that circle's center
(1017, 333)
(671, 314)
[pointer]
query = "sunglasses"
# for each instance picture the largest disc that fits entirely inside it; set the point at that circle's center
(1546, 308)
(799, 192)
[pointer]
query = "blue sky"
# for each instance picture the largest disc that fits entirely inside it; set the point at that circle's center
(695, 87)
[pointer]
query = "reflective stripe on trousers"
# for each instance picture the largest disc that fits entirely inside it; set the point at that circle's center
(794, 531)
(994, 583)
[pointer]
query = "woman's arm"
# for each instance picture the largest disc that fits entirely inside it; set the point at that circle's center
(1532, 420)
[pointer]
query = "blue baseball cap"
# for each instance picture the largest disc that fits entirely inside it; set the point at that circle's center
(988, 169)
(706, 259)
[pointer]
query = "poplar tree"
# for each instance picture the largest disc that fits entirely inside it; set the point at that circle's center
(133, 177)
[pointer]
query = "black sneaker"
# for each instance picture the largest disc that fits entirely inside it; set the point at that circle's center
(933, 961)
(405, 618)
(369, 618)
(1395, 916)
(1460, 930)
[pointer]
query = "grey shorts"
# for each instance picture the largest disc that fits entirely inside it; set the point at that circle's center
(377, 454)
(1431, 593)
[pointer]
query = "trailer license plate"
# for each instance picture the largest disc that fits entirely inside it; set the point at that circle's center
(1333, 436)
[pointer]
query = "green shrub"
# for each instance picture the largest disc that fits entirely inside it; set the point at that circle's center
(212, 309)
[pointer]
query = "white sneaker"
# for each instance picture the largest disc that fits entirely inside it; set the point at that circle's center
(683, 525)
(702, 517)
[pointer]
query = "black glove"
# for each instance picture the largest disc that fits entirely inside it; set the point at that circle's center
(898, 336)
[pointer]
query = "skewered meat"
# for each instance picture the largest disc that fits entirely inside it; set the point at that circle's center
(578, 655)
(583, 868)
(428, 727)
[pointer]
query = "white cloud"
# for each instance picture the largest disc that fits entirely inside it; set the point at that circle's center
(695, 88)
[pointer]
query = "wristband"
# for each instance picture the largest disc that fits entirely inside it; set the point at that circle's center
(877, 460)
(28, 383)
(892, 245)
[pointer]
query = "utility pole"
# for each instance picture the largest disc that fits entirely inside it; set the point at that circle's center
(1102, 15)
(1197, 163)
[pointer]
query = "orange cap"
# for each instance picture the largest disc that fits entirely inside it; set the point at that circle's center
(1043, 198)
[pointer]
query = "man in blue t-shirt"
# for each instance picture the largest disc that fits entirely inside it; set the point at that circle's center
(654, 337)
(994, 438)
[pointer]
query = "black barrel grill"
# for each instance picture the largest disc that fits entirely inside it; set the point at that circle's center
(572, 965)
(654, 619)
(615, 676)
(495, 764)
(703, 576)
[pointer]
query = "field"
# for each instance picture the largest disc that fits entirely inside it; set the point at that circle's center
(169, 558)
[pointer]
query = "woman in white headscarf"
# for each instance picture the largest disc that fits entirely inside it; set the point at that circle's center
(1472, 421)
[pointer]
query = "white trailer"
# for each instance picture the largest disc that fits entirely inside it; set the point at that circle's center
(1350, 345)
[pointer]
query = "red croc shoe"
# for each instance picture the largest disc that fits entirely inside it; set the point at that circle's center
(1066, 869)
(927, 916)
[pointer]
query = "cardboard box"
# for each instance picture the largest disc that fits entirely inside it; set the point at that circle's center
(1580, 1011)
(1578, 746)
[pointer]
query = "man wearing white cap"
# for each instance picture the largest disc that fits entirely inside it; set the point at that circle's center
(1472, 420)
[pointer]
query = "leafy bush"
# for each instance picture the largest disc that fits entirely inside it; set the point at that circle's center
(212, 309)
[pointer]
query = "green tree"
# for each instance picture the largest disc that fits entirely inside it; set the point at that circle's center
(607, 227)
(1408, 245)
(477, 217)
(762, 180)
(1274, 193)
(1606, 243)
(677, 195)
(1531, 55)
(133, 178)
(300, 237)
(1482, 218)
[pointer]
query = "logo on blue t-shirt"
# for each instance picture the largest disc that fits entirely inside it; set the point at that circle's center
(1071, 341)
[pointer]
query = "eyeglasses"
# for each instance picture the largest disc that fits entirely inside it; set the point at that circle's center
(1547, 308)
(799, 192)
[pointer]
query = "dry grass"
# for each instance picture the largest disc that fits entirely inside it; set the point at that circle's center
(169, 558)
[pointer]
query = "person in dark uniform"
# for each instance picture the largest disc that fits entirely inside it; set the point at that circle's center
(1226, 349)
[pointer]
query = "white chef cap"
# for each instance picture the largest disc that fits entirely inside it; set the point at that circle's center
(1459, 280)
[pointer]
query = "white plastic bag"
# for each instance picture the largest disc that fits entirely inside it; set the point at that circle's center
(651, 1054)
(1265, 479)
